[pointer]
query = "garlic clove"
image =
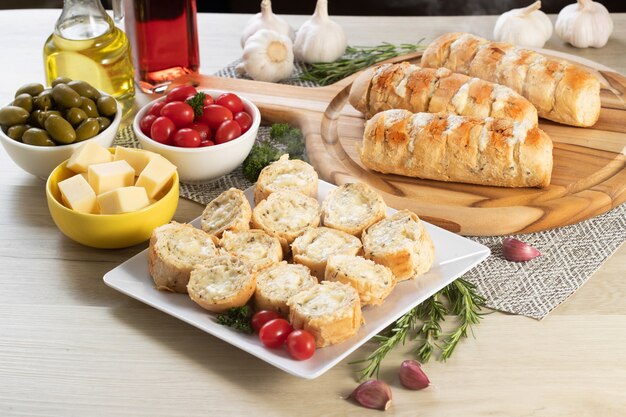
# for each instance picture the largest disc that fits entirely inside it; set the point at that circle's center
(373, 393)
(412, 376)
(517, 251)
(266, 19)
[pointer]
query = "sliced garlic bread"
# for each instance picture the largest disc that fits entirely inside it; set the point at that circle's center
(352, 208)
(253, 246)
(274, 286)
(228, 211)
(286, 175)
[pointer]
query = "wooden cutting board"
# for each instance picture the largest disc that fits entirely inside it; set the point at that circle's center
(588, 178)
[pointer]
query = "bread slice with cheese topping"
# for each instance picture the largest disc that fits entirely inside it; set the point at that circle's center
(352, 208)
(228, 211)
(372, 281)
(330, 311)
(175, 249)
(286, 215)
(221, 283)
(401, 243)
(315, 245)
(286, 175)
(253, 246)
(276, 284)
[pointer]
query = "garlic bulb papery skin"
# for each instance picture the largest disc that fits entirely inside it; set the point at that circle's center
(527, 26)
(320, 39)
(268, 56)
(266, 19)
(584, 24)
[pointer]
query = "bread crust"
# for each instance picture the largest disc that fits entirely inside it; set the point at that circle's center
(229, 211)
(286, 175)
(401, 243)
(440, 147)
(253, 246)
(562, 91)
(277, 283)
(174, 250)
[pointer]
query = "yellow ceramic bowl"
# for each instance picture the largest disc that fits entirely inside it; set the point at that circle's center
(109, 231)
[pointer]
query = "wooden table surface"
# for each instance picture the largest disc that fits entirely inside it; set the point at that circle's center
(71, 346)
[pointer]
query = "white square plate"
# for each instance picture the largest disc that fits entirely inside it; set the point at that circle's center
(455, 255)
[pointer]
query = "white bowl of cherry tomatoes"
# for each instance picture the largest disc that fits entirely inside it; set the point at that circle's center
(206, 134)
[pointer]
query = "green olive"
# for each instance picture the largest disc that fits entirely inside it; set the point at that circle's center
(44, 100)
(89, 107)
(104, 122)
(16, 132)
(38, 137)
(13, 115)
(84, 89)
(107, 106)
(32, 89)
(87, 129)
(60, 80)
(75, 116)
(60, 129)
(43, 116)
(24, 101)
(64, 96)
(33, 119)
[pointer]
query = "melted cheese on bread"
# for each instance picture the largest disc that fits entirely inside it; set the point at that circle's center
(276, 284)
(352, 208)
(254, 246)
(228, 211)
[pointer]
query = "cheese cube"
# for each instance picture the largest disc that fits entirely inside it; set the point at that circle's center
(78, 195)
(136, 158)
(87, 154)
(123, 200)
(110, 175)
(156, 175)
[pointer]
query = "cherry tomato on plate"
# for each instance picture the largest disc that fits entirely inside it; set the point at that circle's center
(227, 131)
(244, 120)
(178, 112)
(261, 317)
(205, 132)
(231, 101)
(156, 108)
(146, 122)
(274, 333)
(300, 344)
(214, 115)
(162, 130)
(187, 138)
(180, 93)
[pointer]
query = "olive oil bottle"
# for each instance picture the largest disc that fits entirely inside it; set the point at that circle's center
(86, 45)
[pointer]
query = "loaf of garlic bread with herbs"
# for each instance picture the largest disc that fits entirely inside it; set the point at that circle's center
(454, 148)
(409, 87)
(561, 91)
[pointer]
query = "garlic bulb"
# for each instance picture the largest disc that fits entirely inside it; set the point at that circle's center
(527, 26)
(584, 24)
(266, 19)
(320, 39)
(268, 56)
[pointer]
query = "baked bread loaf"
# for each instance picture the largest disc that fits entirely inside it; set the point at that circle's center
(276, 284)
(222, 282)
(286, 175)
(457, 148)
(330, 311)
(561, 91)
(352, 208)
(409, 87)
(253, 246)
(228, 211)
(175, 249)
(401, 243)
(372, 281)
(315, 245)
(286, 215)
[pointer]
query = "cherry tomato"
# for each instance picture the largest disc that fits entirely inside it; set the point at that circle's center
(231, 101)
(156, 108)
(261, 317)
(180, 93)
(227, 131)
(300, 344)
(187, 138)
(178, 112)
(207, 143)
(244, 120)
(146, 122)
(162, 130)
(213, 115)
(274, 333)
(205, 132)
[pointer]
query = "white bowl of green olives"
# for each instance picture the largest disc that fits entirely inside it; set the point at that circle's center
(42, 126)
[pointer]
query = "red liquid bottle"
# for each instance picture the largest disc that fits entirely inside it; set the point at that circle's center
(164, 39)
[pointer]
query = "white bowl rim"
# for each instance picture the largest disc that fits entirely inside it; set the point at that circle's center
(256, 122)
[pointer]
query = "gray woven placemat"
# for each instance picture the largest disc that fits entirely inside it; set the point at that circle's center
(570, 254)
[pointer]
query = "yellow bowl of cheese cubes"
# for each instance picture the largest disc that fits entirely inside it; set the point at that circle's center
(112, 197)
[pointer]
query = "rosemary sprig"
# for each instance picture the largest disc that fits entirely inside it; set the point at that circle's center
(355, 59)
